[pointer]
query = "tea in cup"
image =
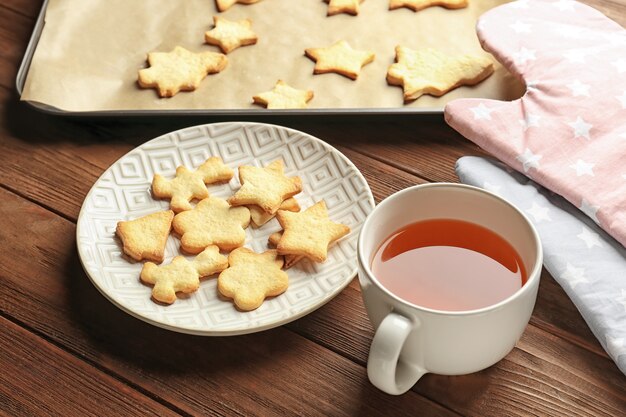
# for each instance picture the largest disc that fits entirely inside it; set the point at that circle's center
(449, 275)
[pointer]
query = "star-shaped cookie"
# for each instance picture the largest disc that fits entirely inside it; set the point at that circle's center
(251, 277)
(179, 70)
(230, 35)
(417, 5)
(145, 237)
(265, 187)
(189, 185)
(429, 71)
(309, 233)
(259, 216)
(182, 275)
(339, 58)
(343, 6)
(226, 4)
(212, 222)
(283, 96)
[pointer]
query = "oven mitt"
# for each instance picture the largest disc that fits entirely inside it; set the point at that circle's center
(582, 258)
(568, 132)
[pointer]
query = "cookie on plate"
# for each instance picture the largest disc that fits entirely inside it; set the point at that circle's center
(212, 222)
(145, 237)
(252, 277)
(309, 233)
(265, 187)
(259, 216)
(182, 275)
(189, 185)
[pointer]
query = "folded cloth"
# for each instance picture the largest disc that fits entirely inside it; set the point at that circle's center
(588, 263)
(568, 132)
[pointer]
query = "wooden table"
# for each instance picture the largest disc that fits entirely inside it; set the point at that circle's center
(65, 350)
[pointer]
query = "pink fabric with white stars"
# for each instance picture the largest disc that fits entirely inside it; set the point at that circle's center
(568, 132)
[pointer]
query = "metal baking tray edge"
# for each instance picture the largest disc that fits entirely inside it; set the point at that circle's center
(34, 40)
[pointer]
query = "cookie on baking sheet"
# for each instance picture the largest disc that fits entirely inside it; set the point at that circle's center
(283, 96)
(189, 185)
(212, 222)
(226, 4)
(309, 233)
(339, 58)
(265, 187)
(343, 6)
(429, 71)
(179, 70)
(230, 35)
(145, 237)
(182, 275)
(252, 277)
(259, 216)
(417, 5)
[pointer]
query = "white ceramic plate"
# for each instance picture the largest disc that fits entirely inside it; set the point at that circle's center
(123, 193)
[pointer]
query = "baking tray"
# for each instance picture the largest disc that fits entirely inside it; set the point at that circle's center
(253, 111)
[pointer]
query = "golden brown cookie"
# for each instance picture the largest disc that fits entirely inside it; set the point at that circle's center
(230, 35)
(283, 96)
(226, 4)
(259, 216)
(343, 6)
(212, 222)
(179, 70)
(429, 71)
(339, 58)
(309, 233)
(417, 5)
(145, 237)
(251, 277)
(182, 275)
(290, 260)
(189, 185)
(265, 187)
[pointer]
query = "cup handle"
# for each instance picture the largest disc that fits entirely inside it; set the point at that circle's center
(384, 368)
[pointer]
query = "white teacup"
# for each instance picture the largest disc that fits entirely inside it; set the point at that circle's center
(411, 340)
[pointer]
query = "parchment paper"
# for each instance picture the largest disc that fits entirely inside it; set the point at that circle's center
(90, 51)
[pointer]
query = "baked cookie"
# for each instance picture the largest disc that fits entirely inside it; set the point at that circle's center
(309, 233)
(343, 6)
(429, 71)
(212, 222)
(189, 185)
(145, 237)
(226, 4)
(339, 58)
(230, 35)
(290, 260)
(182, 275)
(251, 277)
(283, 96)
(417, 5)
(265, 187)
(179, 70)
(259, 216)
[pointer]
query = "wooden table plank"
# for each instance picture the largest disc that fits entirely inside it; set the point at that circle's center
(39, 378)
(242, 375)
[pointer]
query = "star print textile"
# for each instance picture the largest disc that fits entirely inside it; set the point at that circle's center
(568, 132)
(582, 258)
